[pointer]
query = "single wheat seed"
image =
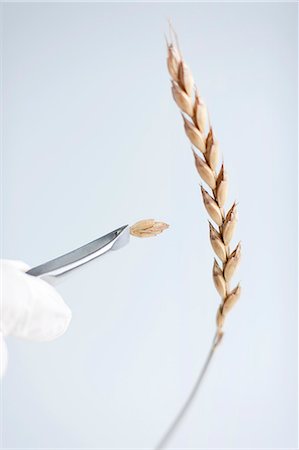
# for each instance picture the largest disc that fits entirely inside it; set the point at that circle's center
(148, 228)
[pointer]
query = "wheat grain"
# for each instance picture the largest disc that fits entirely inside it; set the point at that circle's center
(147, 228)
(194, 113)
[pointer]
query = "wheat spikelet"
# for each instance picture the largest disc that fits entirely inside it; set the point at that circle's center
(206, 156)
(148, 228)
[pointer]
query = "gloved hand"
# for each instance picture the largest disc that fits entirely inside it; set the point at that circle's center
(30, 308)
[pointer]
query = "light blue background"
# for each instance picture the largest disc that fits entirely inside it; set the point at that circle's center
(93, 140)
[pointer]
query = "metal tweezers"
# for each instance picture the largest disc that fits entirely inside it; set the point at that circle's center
(82, 255)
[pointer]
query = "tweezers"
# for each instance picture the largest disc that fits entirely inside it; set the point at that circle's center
(82, 255)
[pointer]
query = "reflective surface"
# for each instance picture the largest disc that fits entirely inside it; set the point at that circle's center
(82, 255)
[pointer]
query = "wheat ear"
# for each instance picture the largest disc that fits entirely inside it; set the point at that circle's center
(206, 157)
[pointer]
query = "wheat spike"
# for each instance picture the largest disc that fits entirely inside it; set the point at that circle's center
(194, 115)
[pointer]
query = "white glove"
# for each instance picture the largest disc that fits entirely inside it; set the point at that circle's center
(30, 308)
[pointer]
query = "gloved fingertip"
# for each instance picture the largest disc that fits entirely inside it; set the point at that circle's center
(17, 264)
(59, 330)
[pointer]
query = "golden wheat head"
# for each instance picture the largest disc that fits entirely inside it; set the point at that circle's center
(206, 157)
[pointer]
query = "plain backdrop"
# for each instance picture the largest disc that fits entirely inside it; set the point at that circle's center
(92, 140)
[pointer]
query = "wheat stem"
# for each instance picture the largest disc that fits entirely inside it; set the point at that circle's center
(191, 397)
